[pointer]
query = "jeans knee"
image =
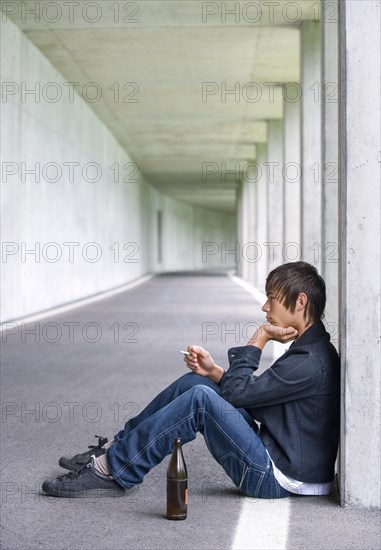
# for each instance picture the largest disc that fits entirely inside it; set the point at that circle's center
(187, 381)
(203, 393)
(191, 380)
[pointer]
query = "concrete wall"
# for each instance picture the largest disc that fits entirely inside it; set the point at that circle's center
(193, 237)
(85, 220)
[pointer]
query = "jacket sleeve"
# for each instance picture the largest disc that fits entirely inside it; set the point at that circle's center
(292, 376)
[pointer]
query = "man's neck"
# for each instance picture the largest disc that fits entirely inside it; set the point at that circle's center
(303, 326)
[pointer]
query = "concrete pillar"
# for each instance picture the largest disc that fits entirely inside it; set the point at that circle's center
(330, 144)
(311, 142)
(249, 251)
(245, 232)
(262, 265)
(239, 224)
(359, 148)
(274, 168)
(292, 178)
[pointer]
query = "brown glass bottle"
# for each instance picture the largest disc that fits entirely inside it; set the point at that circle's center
(177, 483)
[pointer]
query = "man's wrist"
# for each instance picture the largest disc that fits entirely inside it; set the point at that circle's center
(259, 338)
(216, 373)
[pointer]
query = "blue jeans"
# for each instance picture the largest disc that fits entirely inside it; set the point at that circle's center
(189, 405)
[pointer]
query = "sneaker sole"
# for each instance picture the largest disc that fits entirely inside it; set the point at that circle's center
(88, 493)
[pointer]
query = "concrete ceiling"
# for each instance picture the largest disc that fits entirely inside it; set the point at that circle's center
(170, 50)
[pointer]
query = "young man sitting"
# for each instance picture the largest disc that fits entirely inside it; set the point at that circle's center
(295, 402)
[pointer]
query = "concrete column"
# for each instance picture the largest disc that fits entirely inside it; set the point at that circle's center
(359, 148)
(262, 265)
(245, 232)
(274, 167)
(311, 142)
(239, 224)
(249, 251)
(292, 178)
(330, 144)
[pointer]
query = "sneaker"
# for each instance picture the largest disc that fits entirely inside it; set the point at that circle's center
(86, 482)
(80, 460)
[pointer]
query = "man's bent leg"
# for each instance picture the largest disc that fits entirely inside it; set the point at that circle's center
(175, 389)
(229, 438)
(178, 387)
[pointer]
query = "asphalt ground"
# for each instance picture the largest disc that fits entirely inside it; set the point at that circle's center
(84, 372)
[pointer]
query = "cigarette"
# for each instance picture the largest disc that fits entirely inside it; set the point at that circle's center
(184, 352)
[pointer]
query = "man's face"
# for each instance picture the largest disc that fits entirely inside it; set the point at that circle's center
(276, 313)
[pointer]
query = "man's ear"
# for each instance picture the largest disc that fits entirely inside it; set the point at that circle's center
(301, 302)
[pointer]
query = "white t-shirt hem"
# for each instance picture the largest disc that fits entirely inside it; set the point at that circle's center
(300, 487)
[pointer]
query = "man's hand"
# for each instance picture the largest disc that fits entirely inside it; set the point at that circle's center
(267, 332)
(200, 361)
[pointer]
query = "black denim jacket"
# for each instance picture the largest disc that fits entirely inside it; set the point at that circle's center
(296, 400)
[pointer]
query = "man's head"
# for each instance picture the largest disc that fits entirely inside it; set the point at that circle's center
(297, 285)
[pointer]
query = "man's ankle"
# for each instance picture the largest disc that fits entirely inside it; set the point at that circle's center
(101, 465)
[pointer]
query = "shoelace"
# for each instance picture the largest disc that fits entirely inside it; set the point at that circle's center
(101, 441)
(73, 475)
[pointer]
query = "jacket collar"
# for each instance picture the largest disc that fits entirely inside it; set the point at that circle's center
(312, 334)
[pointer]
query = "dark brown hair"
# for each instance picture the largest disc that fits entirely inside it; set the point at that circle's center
(287, 281)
